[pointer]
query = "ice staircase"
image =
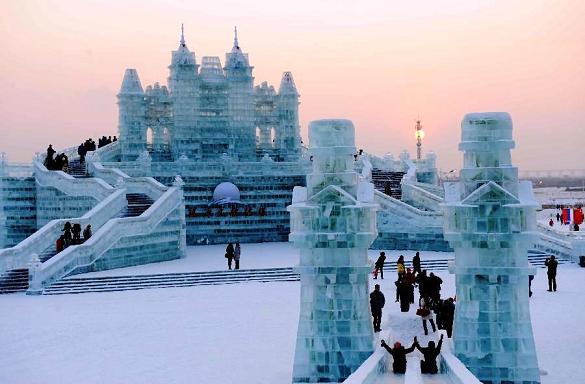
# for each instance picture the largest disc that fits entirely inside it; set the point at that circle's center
(380, 177)
(13, 281)
(81, 284)
(77, 169)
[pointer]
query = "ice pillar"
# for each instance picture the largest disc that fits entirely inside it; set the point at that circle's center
(490, 222)
(333, 222)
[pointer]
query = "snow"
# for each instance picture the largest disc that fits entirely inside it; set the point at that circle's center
(242, 333)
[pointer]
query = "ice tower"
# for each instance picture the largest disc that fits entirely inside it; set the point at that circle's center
(333, 222)
(490, 222)
(131, 113)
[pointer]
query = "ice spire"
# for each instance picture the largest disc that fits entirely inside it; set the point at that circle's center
(236, 45)
(182, 36)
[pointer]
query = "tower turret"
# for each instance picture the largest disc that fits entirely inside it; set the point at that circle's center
(490, 221)
(131, 108)
(240, 102)
(288, 136)
(183, 86)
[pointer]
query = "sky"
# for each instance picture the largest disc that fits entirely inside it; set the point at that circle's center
(382, 64)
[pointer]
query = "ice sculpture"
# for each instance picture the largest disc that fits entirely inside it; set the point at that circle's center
(333, 222)
(490, 222)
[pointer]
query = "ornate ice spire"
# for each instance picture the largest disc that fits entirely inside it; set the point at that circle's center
(236, 45)
(182, 36)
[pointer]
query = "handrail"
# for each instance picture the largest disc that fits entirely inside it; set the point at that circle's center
(69, 185)
(108, 235)
(566, 236)
(147, 185)
(106, 153)
(21, 254)
(425, 198)
(405, 209)
(431, 188)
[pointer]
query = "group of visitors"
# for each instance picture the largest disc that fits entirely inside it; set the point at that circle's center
(72, 235)
(430, 304)
(59, 163)
(87, 146)
(233, 253)
(105, 141)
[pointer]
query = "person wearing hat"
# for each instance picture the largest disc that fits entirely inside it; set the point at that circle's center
(398, 355)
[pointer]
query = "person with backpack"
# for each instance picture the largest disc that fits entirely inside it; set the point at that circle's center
(377, 301)
(430, 353)
(398, 355)
(424, 311)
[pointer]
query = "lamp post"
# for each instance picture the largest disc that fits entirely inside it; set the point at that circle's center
(419, 134)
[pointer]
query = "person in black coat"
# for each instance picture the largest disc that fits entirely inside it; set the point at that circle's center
(448, 315)
(551, 265)
(416, 263)
(377, 301)
(229, 254)
(434, 287)
(430, 353)
(398, 356)
(380, 265)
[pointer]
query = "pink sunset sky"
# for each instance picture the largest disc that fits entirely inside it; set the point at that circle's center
(381, 64)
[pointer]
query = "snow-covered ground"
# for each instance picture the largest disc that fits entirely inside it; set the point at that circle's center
(240, 333)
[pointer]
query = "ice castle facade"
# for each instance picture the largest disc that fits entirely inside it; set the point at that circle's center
(490, 222)
(333, 222)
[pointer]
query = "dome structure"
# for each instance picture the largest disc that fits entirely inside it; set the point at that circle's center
(226, 192)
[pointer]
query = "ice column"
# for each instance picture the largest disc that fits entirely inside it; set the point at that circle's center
(333, 222)
(490, 222)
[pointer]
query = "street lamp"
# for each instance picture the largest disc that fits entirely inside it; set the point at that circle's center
(419, 134)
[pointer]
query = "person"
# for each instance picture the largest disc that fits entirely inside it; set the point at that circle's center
(430, 353)
(403, 289)
(87, 232)
(400, 266)
(426, 314)
(448, 315)
(422, 281)
(76, 231)
(380, 265)
(398, 355)
(416, 263)
(576, 227)
(67, 235)
(229, 254)
(551, 272)
(434, 287)
(377, 301)
(551, 223)
(410, 280)
(237, 252)
(49, 162)
(81, 151)
(114, 139)
(60, 244)
(558, 217)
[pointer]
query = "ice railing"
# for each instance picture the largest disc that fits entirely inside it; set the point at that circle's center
(431, 188)
(66, 262)
(71, 186)
(567, 245)
(146, 185)
(416, 195)
(22, 253)
(400, 208)
(108, 152)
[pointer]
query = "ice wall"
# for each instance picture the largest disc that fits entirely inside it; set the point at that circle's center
(489, 219)
(333, 222)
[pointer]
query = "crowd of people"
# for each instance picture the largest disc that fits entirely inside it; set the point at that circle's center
(58, 163)
(72, 235)
(431, 307)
